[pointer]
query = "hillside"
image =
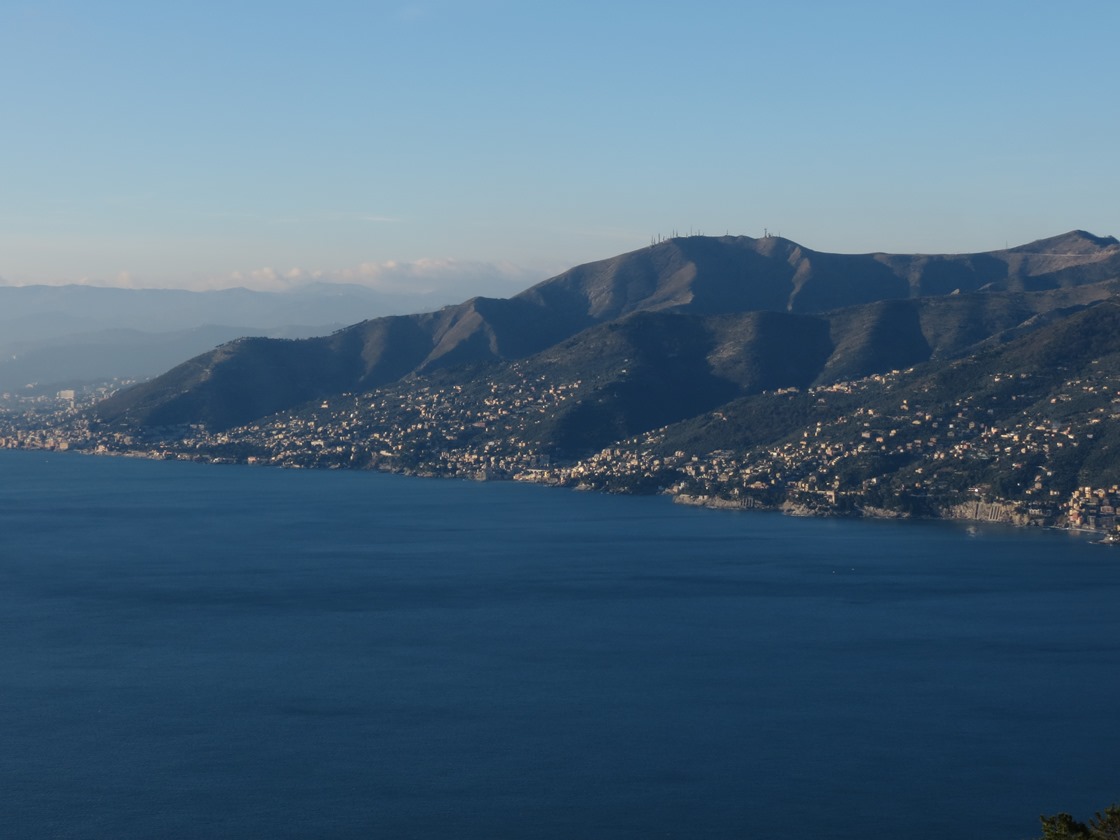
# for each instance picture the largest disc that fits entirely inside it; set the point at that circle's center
(1031, 420)
(702, 368)
(46, 365)
(54, 337)
(743, 314)
(1013, 429)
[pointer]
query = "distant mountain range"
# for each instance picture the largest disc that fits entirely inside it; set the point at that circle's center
(668, 332)
(63, 336)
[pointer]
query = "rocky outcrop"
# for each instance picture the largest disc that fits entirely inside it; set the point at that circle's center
(1009, 513)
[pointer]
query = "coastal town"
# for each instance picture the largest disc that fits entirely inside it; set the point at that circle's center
(868, 447)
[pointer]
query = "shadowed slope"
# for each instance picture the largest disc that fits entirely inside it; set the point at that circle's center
(698, 276)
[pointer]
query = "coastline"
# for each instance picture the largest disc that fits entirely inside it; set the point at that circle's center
(992, 511)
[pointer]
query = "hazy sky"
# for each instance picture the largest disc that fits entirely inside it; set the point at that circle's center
(486, 144)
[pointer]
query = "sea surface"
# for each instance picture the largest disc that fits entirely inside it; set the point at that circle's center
(234, 652)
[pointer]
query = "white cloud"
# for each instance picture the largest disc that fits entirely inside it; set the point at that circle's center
(433, 276)
(436, 281)
(441, 278)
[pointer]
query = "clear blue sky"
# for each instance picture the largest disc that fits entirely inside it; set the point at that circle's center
(485, 145)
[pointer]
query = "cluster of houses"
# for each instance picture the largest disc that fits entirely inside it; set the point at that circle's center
(1093, 509)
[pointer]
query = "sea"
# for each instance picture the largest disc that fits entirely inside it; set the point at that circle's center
(203, 651)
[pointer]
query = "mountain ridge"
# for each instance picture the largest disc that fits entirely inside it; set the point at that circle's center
(707, 277)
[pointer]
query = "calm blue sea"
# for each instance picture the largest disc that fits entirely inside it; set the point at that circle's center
(233, 652)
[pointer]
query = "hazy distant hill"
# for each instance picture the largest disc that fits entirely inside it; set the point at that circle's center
(71, 361)
(675, 329)
(59, 336)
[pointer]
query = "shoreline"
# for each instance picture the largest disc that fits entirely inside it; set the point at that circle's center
(986, 511)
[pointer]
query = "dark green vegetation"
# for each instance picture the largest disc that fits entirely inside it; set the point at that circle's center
(1103, 826)
(732, 370)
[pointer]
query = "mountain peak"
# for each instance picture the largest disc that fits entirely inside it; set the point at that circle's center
(694, 277)
(1073, 243)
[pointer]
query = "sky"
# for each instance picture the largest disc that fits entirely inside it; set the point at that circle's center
(479, 146)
